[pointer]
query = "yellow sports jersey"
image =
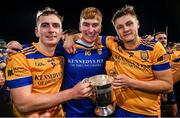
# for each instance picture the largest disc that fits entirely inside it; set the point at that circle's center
(33, 66)
(175, 56)
(175, 60)
(138, 63)
(110, 68)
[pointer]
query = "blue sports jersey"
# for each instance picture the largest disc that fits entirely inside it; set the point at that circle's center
(87, 62)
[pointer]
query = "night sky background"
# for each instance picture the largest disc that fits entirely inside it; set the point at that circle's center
(17, 18)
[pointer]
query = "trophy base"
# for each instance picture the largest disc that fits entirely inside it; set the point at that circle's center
(105, 111)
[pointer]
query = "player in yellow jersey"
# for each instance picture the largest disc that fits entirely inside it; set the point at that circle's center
(35, 73)
(142, 66)
(168, 101)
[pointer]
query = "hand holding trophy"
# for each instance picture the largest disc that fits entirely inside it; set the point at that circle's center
(102, 94)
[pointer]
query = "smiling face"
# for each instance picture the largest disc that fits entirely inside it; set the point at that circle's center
(90, 24)
(127, 27)
(49, 30)
(90, 29)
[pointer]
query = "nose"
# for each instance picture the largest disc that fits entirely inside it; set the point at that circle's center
(51, 28)
(91, 29)
(125, 28)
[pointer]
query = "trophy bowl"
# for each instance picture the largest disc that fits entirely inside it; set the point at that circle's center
(102, 94)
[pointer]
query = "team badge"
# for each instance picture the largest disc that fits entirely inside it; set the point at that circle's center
(99, 51)
(144, 55)
(87, 53)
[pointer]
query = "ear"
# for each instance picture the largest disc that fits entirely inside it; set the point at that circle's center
(80, 26)
(62, 32)
(36, 32)
(138, 24)
(100, 28)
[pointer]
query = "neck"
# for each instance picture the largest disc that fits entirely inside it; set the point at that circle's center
(131, 44)
(49, 49)
(86, 43)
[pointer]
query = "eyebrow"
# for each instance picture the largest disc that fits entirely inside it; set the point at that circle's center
(163, 37)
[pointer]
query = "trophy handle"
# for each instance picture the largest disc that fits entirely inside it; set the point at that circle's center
(93, 96)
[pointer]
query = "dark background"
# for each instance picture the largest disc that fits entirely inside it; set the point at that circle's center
(17, 18)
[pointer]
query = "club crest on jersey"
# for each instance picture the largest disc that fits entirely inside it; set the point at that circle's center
(144, 55)
(87, 53)
(99, 51)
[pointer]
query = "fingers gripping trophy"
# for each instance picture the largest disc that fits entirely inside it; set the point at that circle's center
(102, 94)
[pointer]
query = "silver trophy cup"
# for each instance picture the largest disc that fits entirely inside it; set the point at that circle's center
(102, 94)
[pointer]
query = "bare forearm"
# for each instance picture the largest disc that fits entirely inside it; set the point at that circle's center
(154, 86)
(162, 83)
(36, 102)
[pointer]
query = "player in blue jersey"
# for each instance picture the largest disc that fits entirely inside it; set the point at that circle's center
(89, 60)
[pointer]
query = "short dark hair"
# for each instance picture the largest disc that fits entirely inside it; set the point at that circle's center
(47, 11)
(157, 33)
(127, 9)
(70, 31)
(171, 44)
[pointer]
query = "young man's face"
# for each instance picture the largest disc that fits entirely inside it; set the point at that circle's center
(178, 47)
(49, 30)
(162, 38)
(127, 27)
(90, 29)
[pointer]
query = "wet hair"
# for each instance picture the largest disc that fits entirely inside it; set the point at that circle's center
(91, 13)
(47, 11)
(126, 10)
